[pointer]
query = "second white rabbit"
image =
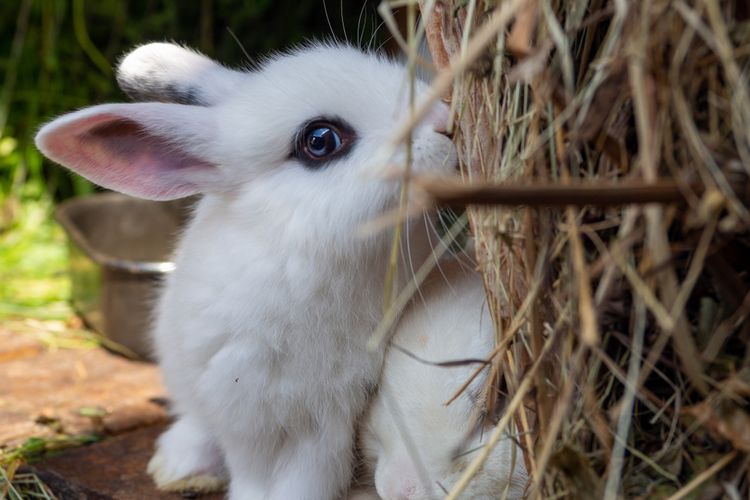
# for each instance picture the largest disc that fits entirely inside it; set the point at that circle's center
(416, 447)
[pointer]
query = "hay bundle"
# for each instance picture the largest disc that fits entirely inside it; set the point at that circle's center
(622, 325)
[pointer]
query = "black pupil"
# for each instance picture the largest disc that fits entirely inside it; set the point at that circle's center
(321, 141)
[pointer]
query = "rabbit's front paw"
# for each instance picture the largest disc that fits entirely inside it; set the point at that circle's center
(168, 478)
(186, 459)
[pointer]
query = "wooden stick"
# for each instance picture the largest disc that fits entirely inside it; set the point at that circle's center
(456, 194)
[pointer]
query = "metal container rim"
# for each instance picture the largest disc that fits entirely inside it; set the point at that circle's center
(62, 216)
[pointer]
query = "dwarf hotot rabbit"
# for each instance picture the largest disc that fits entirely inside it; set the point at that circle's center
(261, 330)
(414, 446)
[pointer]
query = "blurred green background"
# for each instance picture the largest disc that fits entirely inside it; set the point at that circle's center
(57, 56)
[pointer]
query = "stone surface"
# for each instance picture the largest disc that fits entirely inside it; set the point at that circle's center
(45, 391)
(112, 469)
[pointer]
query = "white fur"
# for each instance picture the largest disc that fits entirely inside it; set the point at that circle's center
(449, 321)
(261, 330)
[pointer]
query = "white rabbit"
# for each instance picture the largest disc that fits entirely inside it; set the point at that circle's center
(408, 417)
(261, 330)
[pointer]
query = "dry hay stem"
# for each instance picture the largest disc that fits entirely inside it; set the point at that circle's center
(646, 303)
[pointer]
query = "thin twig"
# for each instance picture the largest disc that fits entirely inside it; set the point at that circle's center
(704, 476)
(626, 412)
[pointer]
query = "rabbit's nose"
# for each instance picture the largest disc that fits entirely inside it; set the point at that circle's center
(438, 118)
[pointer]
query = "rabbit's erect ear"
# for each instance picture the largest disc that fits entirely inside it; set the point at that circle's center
(157, 151)
(165, 72)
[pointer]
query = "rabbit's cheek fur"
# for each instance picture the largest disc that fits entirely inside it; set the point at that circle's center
(319, 212)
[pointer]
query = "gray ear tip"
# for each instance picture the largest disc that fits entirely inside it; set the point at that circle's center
(144, 90)
(135, 91)
(152, 72)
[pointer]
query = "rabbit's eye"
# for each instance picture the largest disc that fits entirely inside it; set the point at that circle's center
(320, 140)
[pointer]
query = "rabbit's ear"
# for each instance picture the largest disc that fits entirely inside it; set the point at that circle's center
(156, 151)
(165, 72)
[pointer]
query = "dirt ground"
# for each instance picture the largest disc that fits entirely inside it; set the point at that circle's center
(48, 393)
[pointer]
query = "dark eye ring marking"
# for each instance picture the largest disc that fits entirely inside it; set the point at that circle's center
(321, 140)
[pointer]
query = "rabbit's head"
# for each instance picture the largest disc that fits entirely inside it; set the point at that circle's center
(296, 142)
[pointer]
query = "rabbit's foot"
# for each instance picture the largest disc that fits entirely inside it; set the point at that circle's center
(200, 483)
(187, 459)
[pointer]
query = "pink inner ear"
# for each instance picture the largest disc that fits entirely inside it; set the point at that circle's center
(121, 154)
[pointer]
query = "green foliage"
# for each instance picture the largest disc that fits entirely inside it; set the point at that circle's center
(27, 485)
(33, 261)
(36, 447)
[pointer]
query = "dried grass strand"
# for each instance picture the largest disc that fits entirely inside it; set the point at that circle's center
(501, 426)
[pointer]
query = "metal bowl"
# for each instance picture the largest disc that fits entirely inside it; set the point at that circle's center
(120, 250)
